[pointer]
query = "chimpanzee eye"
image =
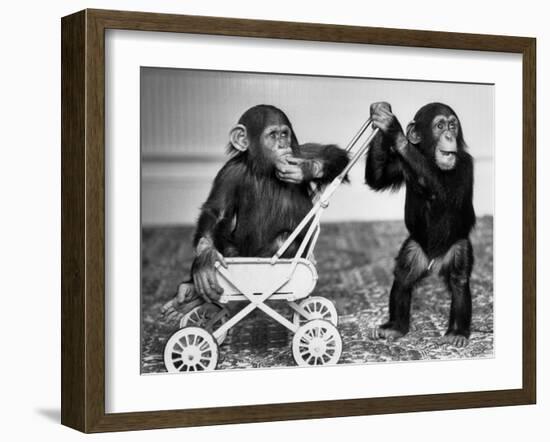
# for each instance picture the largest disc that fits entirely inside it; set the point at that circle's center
(452, 125)
(284, 134)
(440, 125)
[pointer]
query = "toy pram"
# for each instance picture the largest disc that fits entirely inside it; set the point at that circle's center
(316, 339)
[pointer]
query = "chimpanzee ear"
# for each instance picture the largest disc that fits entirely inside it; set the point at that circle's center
(238, 137)
(412, 133)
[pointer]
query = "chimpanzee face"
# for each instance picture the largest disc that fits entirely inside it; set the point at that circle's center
(444, 135)
(436, 131)
(275, 141)
(264, 133)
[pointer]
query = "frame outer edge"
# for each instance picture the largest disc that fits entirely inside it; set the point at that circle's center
(73, 257)
(83, 230)
(305, 31)
(530, 220)
(94, 157)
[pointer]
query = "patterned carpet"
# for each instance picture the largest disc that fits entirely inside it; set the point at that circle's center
(355, 265)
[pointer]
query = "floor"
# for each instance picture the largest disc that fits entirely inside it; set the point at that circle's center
(355, 265)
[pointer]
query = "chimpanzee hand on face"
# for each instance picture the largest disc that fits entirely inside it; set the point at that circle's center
(297, 170)
(204, 274)
(385, 120)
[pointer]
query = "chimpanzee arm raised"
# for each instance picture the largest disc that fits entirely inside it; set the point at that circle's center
(324, 162)
(320, 163)
(383, 168)
(417, 168)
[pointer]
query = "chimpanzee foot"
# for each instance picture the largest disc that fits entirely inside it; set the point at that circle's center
(386, 331)
(173, 308)
(454, 339)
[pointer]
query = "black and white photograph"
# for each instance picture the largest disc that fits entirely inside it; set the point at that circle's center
(299, 220)
(250, 221)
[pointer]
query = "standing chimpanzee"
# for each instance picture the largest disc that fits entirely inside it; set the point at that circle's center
(257, 199)
(438, 174)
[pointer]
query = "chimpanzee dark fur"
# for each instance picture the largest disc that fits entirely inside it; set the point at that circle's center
(249, 210)
(439, 216)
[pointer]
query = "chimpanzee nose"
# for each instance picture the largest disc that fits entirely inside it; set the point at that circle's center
(448, 135)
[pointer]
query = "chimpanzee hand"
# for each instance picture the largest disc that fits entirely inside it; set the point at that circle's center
(204, 274)
(385, 120)
(298, 170)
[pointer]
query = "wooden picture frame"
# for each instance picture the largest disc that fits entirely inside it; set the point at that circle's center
(83, 220)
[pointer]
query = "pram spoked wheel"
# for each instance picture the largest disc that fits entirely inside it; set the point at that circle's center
(317, 342)
(207, 316)
(191, 349)
(318, 308)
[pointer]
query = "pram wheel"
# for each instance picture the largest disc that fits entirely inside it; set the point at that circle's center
(317, 307)
(317, 342)
(207, 316)
(191, 349)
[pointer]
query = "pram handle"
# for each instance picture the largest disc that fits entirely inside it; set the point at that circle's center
(327, 193)
(322, 202)
(362, 151)
(358, 135)
(349, 147)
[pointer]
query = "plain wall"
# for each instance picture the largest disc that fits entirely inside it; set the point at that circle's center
(186, 116)
(30, 222)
